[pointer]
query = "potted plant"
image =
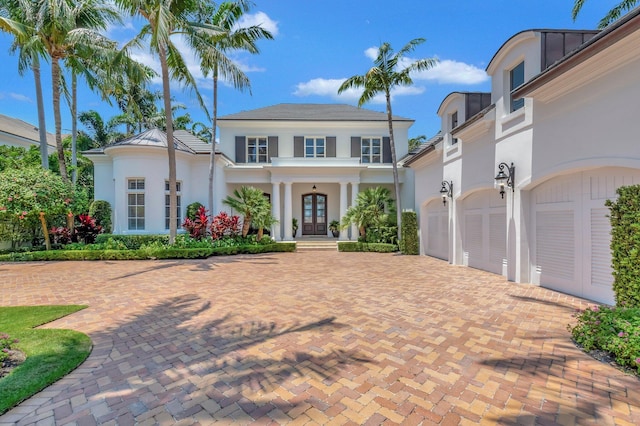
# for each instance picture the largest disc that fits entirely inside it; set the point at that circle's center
(334, 227)
(294, 226)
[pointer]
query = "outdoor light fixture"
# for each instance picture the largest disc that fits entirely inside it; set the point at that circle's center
(507, 178)
(314, 188)
(446, 191)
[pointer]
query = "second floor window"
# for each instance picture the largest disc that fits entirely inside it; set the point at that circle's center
(314, 147)
(454, 124)
(371, 150)
(516, 78)
(257, 150)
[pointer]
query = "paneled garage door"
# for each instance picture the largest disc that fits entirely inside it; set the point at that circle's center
(572, 232)
(484, 232)
(435, 230)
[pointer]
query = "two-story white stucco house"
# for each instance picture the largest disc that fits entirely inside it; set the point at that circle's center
(562, 119)
(310, 159)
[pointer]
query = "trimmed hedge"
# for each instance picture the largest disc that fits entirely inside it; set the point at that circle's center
(353, 246)
(409, 233)
(133, 242)
(143, 254)
(625, 245)
(100, 210)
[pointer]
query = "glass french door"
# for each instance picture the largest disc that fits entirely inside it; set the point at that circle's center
(314, 214)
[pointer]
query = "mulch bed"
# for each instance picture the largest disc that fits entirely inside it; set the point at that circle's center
(15, 359)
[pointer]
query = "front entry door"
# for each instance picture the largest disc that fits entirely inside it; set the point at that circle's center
(314, 214)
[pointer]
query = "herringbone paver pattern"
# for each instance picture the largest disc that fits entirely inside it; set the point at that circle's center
(315, 338)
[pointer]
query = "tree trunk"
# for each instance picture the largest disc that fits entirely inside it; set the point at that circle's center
(212, 159)
(260, 234)
(55, 83)
(74, 127)
(396, 180)
(171, 150)
(45, 231)
(246, 224)
(42, 125)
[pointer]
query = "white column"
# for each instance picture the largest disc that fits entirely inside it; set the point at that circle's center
(343, 209)
(288, 213)
(354, 195)
(275, 206)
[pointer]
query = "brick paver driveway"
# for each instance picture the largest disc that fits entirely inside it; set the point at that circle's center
(315, 338)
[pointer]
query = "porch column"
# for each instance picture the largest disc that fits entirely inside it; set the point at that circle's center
(343, 209)
(355, 232)
(275, 206)
(288, 214)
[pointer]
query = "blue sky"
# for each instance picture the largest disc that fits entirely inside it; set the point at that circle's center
(318, 44)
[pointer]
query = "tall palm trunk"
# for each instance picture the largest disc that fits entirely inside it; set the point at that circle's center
(212, 159)
(171, 150)
(74, 126)
(246, 224)
(396, 180)
(42, 125)
(55, 83)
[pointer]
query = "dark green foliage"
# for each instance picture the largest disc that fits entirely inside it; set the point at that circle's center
(192, 210)
(133, 242)
(625, 245)
(612, 329)
(409, 243)
(100, 210)
(353, 246)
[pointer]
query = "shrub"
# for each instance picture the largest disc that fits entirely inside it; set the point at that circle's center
(61, 235)
(87, 230)
(224, 225)
(132, 242)
(625, 245)
(100, 210)
(5, 346)
(353, 246)
(383, 234)
(192, 210)
(199, 226)
(409, 233)
(615, 330)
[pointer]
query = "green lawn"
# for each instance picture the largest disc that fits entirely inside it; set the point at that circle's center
(50, 353)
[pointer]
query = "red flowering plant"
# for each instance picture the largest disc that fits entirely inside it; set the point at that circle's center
(224, 225)
(198, 227)
(87, 230)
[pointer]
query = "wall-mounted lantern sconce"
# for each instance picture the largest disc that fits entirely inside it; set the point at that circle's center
(314, 188)
(446, 191)
(505, 178)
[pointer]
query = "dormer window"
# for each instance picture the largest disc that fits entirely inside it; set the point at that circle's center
(516, 79)
(453, 123)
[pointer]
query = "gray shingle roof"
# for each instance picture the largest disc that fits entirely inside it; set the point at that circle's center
(23, 129)
(152, 137)
(311, 112)
(195, 143)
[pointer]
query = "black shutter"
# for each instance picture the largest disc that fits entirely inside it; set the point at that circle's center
(273, 147)
(386, 150)
(298, 146)
(241, 149)
(356, 149)
(331, 146)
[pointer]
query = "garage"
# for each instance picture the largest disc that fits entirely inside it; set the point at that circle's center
(484, 232)
(435, 230)
(570, 251)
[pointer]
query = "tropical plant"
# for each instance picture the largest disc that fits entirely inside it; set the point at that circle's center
(165, 19)
(101, 133)
(250, 202)
(415, 143)
(233, 37)
(18, 18)
(382, 78)
(223, 225)
(370, 211)
(611, 16)
(192, 209)
(199, 225)
(263, 219)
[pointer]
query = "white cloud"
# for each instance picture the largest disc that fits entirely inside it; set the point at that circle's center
(20, 97)
(261, 19)
(329, 88)
(453, 72)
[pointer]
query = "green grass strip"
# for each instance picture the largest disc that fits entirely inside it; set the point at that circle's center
(51, 354)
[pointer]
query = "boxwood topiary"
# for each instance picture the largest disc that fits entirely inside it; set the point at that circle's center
(100, 210)
(409, 233)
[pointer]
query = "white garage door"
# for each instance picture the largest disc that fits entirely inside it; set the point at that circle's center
(572, 232)
(484, 232)
(435, 230)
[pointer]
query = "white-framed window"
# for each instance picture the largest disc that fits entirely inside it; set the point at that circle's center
(516, 78)
(453, 123)
(135, 204)
(257, 150)
(314, 147)
(371, 150)
(167, 209)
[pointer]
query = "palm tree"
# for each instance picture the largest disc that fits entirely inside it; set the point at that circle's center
(371, 209)
(100, 132)
(215, 61)
(381, 78)
(416, 142)
(250, 202)
(18, 18)
(166, 18)
(611, 16)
